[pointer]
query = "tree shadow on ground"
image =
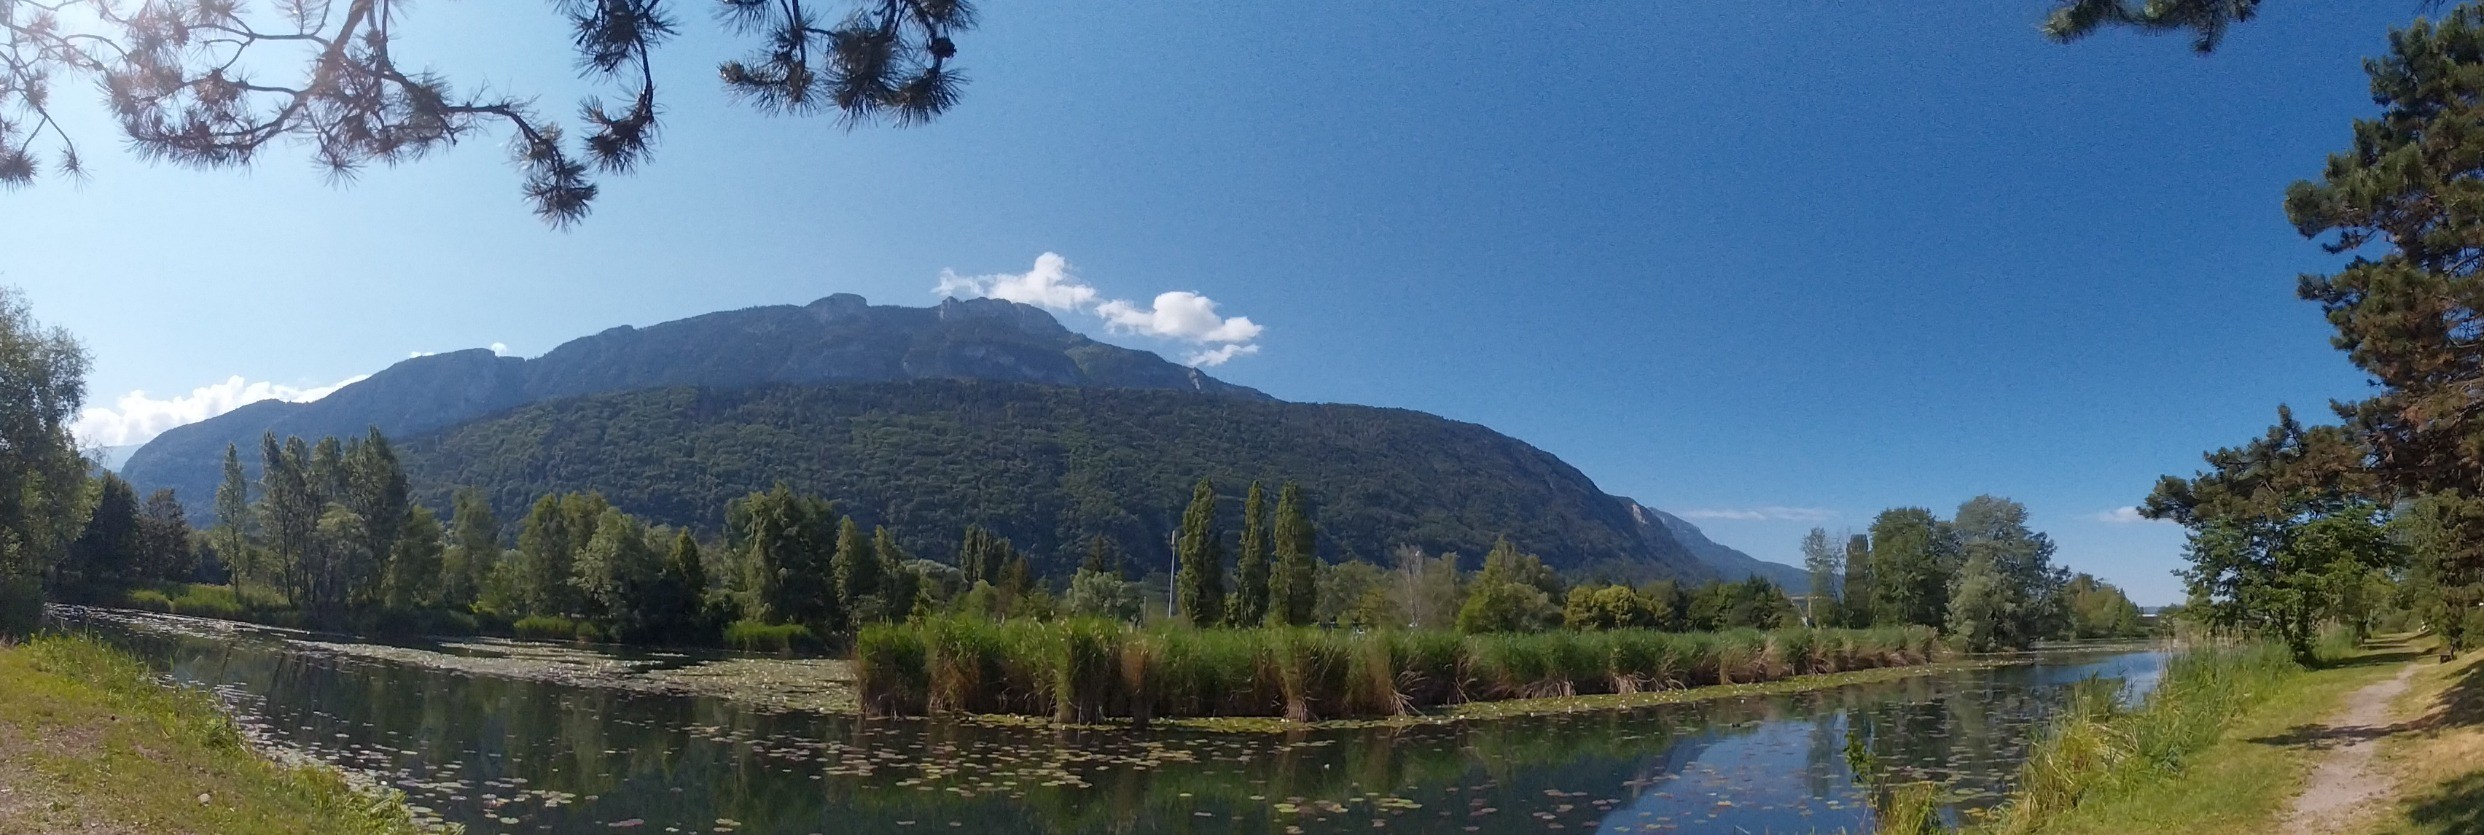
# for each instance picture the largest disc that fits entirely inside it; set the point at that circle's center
(2455, 806)
(2390, 651)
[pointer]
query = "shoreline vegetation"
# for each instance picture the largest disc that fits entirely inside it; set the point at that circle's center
(2215, 726)
(92, 740)
(1085, 671)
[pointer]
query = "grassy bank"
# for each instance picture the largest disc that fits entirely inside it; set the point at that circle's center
(90, 741)
(2215, 749)
(1089, 670)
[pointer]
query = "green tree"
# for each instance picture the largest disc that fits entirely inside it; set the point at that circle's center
(856, 565)
(1202, 559)
(289, 512)
(1982, 605)
(474, 549)
(676, 607)
(1609, 607)
(1103, 594)
(618, 570)
(374, 488)
(786, 541)
(1424, 592)
(1293, 585)
(2273, 524)
(1859, 611)
(1913, 555)
(1250, 576)
(340, 542)
(2027, 598)
(1343, 587)
(414, 568)
(164, 527)
(2100, 610)
(547, 559)
(1513, 593)
(105, 557)
(233, 520)
(1824, 562)
(901, 584)
(42, 476)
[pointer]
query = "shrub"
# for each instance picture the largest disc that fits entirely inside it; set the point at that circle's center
(210, 601)
(21, 606)
(546, 628)
(758, 636)
(149, 600)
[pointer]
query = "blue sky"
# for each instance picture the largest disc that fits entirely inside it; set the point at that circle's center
(1768, 265)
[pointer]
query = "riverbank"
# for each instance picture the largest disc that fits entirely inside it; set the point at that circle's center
(2241, 776)
(2432, 754)
(90, 741)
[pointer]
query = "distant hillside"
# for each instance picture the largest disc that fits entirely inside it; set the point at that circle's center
(841, 338)
(1728, 563)
(1048, 466)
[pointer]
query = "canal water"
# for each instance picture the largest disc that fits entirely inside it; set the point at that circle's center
(501, 754)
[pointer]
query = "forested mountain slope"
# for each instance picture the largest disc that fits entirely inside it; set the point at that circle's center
(1049, 466)
(840, 338)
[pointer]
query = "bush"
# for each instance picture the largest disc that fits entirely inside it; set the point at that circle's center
(148, 600)
(892, 665)
(21, 606)
(759, 636)
(201, 600)
(545, 628)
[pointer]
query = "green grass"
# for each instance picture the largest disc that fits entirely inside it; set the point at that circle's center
(1086, 670)
(89, 740)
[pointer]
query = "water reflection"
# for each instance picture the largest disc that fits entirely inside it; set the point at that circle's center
(510, 755)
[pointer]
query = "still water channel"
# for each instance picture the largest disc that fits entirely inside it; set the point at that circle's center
(513, 755)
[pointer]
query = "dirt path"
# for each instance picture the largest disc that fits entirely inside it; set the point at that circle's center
(2345, 780)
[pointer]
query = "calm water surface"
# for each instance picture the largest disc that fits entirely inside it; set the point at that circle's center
(503, 755)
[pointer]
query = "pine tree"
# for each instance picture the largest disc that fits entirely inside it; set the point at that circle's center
(677, 606)
(1250, 589)
(1294, 593)
(1202, 560)
(105, 557)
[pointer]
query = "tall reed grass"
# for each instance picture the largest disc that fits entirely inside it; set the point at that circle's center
(1084, 670)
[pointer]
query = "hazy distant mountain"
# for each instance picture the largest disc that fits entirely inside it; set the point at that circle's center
(1727, 562)
(841, 338)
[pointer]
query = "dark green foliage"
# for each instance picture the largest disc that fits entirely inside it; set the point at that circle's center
(1293, 586)
(1047, 467)
(105, 557)
(2099, 610)
(1913, 555)
(473, 550)
(2205, 21)
(414, 570)
(1753, 603)
(1856, 602)
(856, 565)
(1611, 607)
(1513, 593)
(166, 549)
(783, 542)
(780, 638)
(1202, 550)
(2007, 592)
(1250, 576)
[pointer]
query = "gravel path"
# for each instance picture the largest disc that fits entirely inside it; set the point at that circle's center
(2345, 780)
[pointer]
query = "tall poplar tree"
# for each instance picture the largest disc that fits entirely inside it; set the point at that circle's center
(1250, 576)
(1823, 562)
(1202, 559)
(856, 565)
(1294, 585)
(232, 534)
(1858, 591)
(474, 550)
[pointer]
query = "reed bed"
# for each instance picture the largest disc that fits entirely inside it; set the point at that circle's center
(1084, 670)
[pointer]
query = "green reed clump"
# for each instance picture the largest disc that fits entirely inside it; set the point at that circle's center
(148, 600)
(1081, 671)
(546, 628)
(893, 666)
(755, 636)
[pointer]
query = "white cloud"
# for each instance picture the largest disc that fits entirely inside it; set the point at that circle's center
(1050, 285)
(1763, 513)
(1178, 315)
(137, 418)
(500, 348)
(2127, 516)
(1216, 356)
